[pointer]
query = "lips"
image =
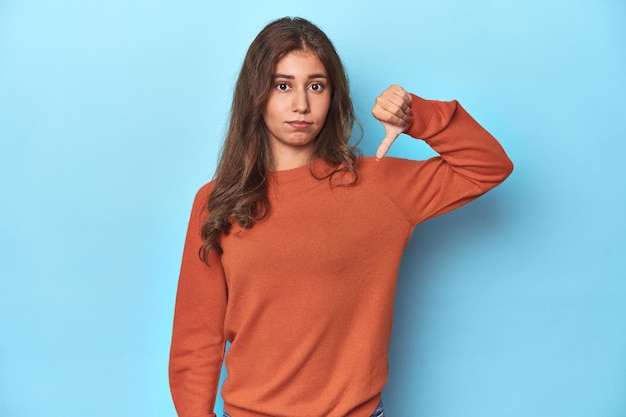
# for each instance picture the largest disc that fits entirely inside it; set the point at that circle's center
(299, 124)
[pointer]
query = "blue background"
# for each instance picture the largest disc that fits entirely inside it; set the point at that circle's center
(111, 116)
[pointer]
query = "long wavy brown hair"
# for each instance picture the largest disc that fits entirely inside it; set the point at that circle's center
(240, 183)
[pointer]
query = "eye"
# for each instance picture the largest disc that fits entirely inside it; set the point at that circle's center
(282, 86)
(317, 87)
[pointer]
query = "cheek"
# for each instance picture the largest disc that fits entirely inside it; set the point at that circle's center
(323, 108)
(271, 107)
(326, 114)
(269, 115)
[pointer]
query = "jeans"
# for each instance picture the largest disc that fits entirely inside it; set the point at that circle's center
(379, 412)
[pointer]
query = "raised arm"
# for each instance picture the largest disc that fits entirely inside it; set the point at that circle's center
(198, 341)
(470, 161)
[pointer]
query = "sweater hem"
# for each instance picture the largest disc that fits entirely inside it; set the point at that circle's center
(363, 410)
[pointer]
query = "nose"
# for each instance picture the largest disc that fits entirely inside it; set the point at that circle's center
(300, 101)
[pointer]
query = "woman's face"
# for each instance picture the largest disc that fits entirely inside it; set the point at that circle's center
(296, 107)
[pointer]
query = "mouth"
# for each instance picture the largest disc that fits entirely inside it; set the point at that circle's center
(299, 124)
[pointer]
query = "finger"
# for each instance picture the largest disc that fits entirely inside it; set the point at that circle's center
(384, 146)
(397, 118)
(392, 103)
(402, 97)
(391, 134)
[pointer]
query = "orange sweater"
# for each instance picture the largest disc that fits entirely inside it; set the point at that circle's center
(305, 296)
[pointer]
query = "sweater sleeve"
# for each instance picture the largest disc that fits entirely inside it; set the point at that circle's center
(198, 340)
(470, 162)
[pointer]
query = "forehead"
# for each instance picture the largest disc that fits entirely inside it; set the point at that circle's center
(303, 63)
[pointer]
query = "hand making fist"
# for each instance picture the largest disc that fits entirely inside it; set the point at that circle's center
(393, 110)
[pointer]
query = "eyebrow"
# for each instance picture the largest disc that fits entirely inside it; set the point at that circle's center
(291, 77)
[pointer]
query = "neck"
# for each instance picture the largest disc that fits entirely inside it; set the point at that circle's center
(293, 158)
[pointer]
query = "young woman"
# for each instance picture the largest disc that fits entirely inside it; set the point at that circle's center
(293, 250)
